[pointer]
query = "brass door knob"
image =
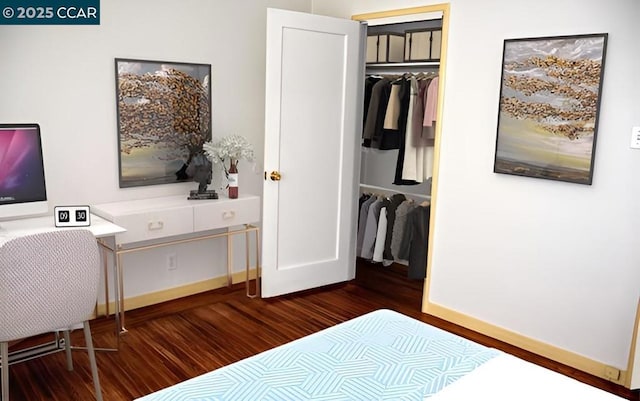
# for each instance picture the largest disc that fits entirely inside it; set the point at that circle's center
(275, 176)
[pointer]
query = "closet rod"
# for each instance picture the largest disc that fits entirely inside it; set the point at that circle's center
(383, 189)
(412, 64)
(398, 73)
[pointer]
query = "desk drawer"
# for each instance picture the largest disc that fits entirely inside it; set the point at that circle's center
(154, 224)
(226, 213)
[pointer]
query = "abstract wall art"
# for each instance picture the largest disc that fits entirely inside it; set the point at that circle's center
(164, 118)
(549, 103)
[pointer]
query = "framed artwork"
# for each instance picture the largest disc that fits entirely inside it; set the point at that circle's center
(549, 103)
(164, 117)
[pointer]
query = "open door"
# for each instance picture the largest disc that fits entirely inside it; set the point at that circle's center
(314, 78)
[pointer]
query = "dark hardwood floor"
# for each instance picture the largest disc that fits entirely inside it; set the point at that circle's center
(177, 340)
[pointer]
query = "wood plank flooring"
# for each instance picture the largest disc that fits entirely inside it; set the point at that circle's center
(174, 341)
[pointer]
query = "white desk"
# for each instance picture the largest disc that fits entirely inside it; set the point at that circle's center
(18, 228)
(156, 222)
(100, 228)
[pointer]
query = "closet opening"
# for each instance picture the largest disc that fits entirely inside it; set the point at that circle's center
(405, 53)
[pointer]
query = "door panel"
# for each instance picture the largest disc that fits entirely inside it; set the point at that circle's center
(313, 100)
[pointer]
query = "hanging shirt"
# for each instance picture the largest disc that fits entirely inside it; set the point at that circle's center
(405, 103)
(418, 230)
(393, 108)
(390, 138)
(395, 201)
(362, 222)
(368, 87)
(378, 131)
(422, 136)
(431, 103)
(372, 111)
(419, 151)
(381, 235)
(400, 248)
(371, 229)
(409, 164)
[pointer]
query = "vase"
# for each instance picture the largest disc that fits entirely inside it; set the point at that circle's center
(233, 179)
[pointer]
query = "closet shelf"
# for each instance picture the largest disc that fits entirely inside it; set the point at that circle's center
(383, 189)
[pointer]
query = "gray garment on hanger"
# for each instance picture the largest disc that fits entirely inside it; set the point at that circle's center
(369, 240)
(362, 222)
(399, 248)
(395, 201)
(381, 235)
(418, 230)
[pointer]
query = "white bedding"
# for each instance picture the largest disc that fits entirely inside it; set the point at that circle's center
(507, 378)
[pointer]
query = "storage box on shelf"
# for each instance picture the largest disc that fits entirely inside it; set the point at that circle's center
(423, 44)
(385, 48)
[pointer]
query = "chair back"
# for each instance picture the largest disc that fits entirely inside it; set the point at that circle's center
(48, 281)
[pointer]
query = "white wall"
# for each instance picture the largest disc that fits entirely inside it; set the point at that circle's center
(554, 261)
(63, 77)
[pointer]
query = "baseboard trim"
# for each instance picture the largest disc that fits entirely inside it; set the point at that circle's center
(554, 353)
(152, 298)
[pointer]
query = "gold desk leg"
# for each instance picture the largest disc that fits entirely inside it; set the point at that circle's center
(229, 258)
(120, 293)
(105, 248)
(247, 262)
(106, 281)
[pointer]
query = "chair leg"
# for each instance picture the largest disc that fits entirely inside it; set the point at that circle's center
(92, 360)
(67, 350)
(4, 356)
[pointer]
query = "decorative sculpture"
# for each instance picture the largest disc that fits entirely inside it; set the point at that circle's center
(200, 169)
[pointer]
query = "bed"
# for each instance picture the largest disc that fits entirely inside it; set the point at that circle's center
(382, 355)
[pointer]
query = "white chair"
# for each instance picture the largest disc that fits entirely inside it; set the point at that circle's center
(48, 282)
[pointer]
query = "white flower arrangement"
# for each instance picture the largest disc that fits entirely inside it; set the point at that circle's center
(232, 148)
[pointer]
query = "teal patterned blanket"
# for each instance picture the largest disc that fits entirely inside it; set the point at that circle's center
(382, 355)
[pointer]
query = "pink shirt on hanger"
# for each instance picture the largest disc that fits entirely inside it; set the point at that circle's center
(431, 103)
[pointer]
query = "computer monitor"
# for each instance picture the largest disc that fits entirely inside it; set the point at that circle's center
(22, 186)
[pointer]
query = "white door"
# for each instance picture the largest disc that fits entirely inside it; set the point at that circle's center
(313, 121)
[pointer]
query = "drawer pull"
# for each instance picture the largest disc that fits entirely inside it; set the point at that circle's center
(157, 225)
(228, 215)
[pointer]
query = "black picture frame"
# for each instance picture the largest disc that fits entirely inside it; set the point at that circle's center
(549, 103)
(164, 117)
